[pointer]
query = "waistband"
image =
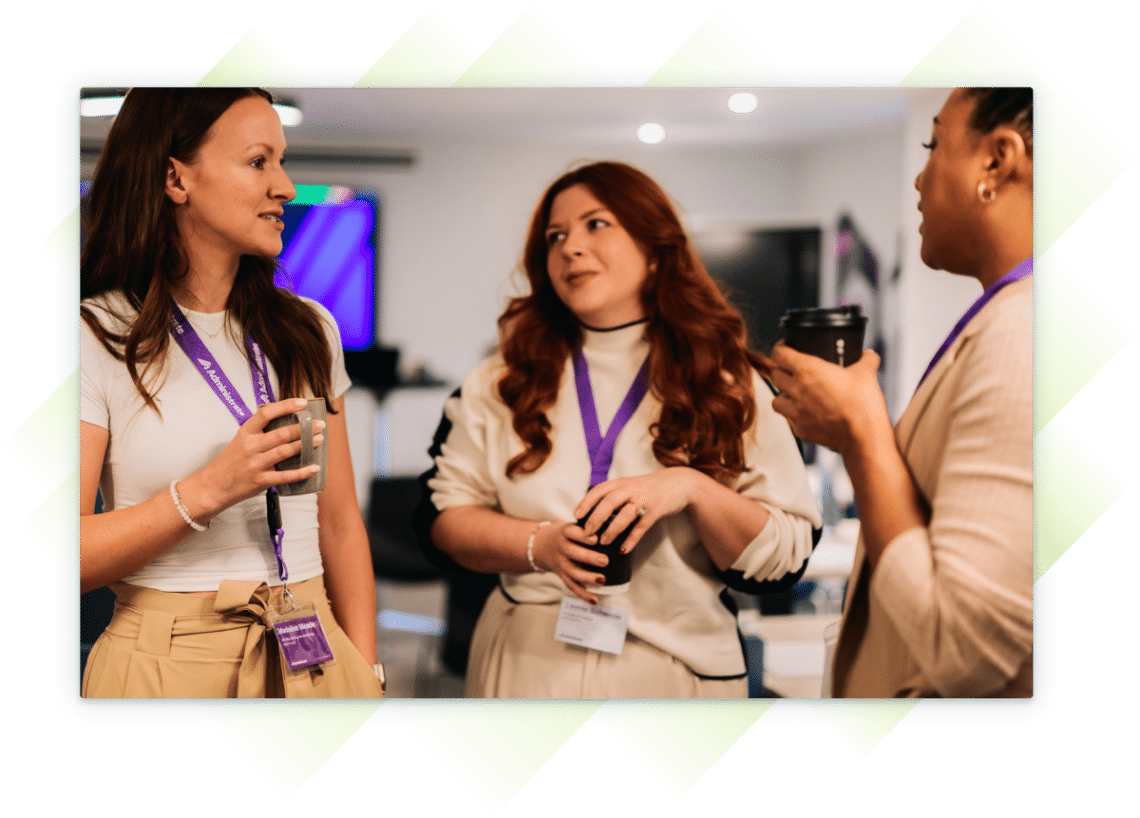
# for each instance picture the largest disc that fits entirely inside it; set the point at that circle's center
(231, 594)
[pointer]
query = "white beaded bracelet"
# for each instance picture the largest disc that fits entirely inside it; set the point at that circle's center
(530, 546)
(190, 521)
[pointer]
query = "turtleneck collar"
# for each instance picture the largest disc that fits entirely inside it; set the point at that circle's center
(619, 339)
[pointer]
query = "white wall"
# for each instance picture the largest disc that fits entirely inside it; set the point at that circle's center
(453, 228)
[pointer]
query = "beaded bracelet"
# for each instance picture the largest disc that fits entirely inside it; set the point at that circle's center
(530, 546)
(190, 521)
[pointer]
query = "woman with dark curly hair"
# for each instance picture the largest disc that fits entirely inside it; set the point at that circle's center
(623, 386)
(940, 602)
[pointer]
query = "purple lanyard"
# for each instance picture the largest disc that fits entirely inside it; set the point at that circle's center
(207, 365)
(601, 449)
(1016, 274)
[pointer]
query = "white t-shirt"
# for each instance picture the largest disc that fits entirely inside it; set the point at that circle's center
(145, 452)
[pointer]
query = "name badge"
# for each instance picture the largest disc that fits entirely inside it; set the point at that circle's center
(301, 638)
(598, 627)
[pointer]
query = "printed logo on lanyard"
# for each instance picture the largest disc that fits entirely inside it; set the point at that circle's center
(191, 343)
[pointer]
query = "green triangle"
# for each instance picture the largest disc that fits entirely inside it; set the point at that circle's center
(495, 747)
(295, 738)
(55, 520)
(62, 244)
(862, 725)
(676, 743)
(717, 54)
(429, 54)
(46, 444)
(532, 51)
(1070, 492)
(1076, 335)
(252, 61)
(1077, 157)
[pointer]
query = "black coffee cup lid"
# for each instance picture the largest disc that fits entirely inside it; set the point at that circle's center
(824, 316)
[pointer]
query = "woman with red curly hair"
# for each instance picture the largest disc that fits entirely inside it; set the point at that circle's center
(624, 331)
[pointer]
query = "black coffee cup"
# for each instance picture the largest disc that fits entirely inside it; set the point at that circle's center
(620, 567)
(832, 333)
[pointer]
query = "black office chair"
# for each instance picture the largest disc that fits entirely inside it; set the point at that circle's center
(396, 555)
(95, 609)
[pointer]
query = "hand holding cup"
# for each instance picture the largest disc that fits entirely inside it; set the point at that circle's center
(248, 465)
(824, 402)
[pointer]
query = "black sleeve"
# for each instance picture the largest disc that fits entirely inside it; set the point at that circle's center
(425, 511)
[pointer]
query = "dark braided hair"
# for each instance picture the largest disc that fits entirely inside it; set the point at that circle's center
(1003, 106)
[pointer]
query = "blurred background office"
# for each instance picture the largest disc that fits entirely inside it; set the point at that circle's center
(409, 223)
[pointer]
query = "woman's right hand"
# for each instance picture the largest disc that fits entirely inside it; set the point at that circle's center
(246, 467)
(560, 548)
(115, 544)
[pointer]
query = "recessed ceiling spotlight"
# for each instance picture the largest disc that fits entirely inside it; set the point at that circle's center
(742, 103)
(651, 133)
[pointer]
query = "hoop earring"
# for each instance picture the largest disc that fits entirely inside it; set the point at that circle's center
(985, 196)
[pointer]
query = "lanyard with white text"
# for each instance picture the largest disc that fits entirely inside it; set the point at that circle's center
(601, 449)
(205, 362)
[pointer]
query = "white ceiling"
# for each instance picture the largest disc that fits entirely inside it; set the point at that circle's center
(396, 117)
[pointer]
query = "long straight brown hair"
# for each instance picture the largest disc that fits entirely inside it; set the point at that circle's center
(133, 247)
(699, 364)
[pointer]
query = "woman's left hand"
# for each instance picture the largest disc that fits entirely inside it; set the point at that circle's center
(645, 499)
(825, 403)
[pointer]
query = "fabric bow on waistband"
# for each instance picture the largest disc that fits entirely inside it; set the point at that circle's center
(251, 599)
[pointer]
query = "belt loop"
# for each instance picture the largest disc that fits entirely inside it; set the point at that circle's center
(154, 632)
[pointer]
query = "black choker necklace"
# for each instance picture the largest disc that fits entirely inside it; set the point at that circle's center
(614, 329)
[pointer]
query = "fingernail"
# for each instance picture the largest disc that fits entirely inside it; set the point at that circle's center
(299, 402)
(319, 426)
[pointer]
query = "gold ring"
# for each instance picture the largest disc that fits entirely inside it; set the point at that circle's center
(641, 511)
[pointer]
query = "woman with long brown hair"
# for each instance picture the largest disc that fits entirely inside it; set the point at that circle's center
(183, 227)
(940, 601)
(623, 331)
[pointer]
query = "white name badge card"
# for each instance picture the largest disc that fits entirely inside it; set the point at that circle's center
(598, 627)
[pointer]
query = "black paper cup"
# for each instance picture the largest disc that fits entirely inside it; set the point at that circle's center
(620, 567)
(832, 333)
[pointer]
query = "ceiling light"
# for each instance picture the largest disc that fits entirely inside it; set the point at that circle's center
(742, 103)
(651, 133)
(100, 106)
(289, 113)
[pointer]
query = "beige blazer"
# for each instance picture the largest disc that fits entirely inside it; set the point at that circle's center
(948, 611)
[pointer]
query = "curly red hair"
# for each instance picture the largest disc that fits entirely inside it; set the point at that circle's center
(700, 368)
